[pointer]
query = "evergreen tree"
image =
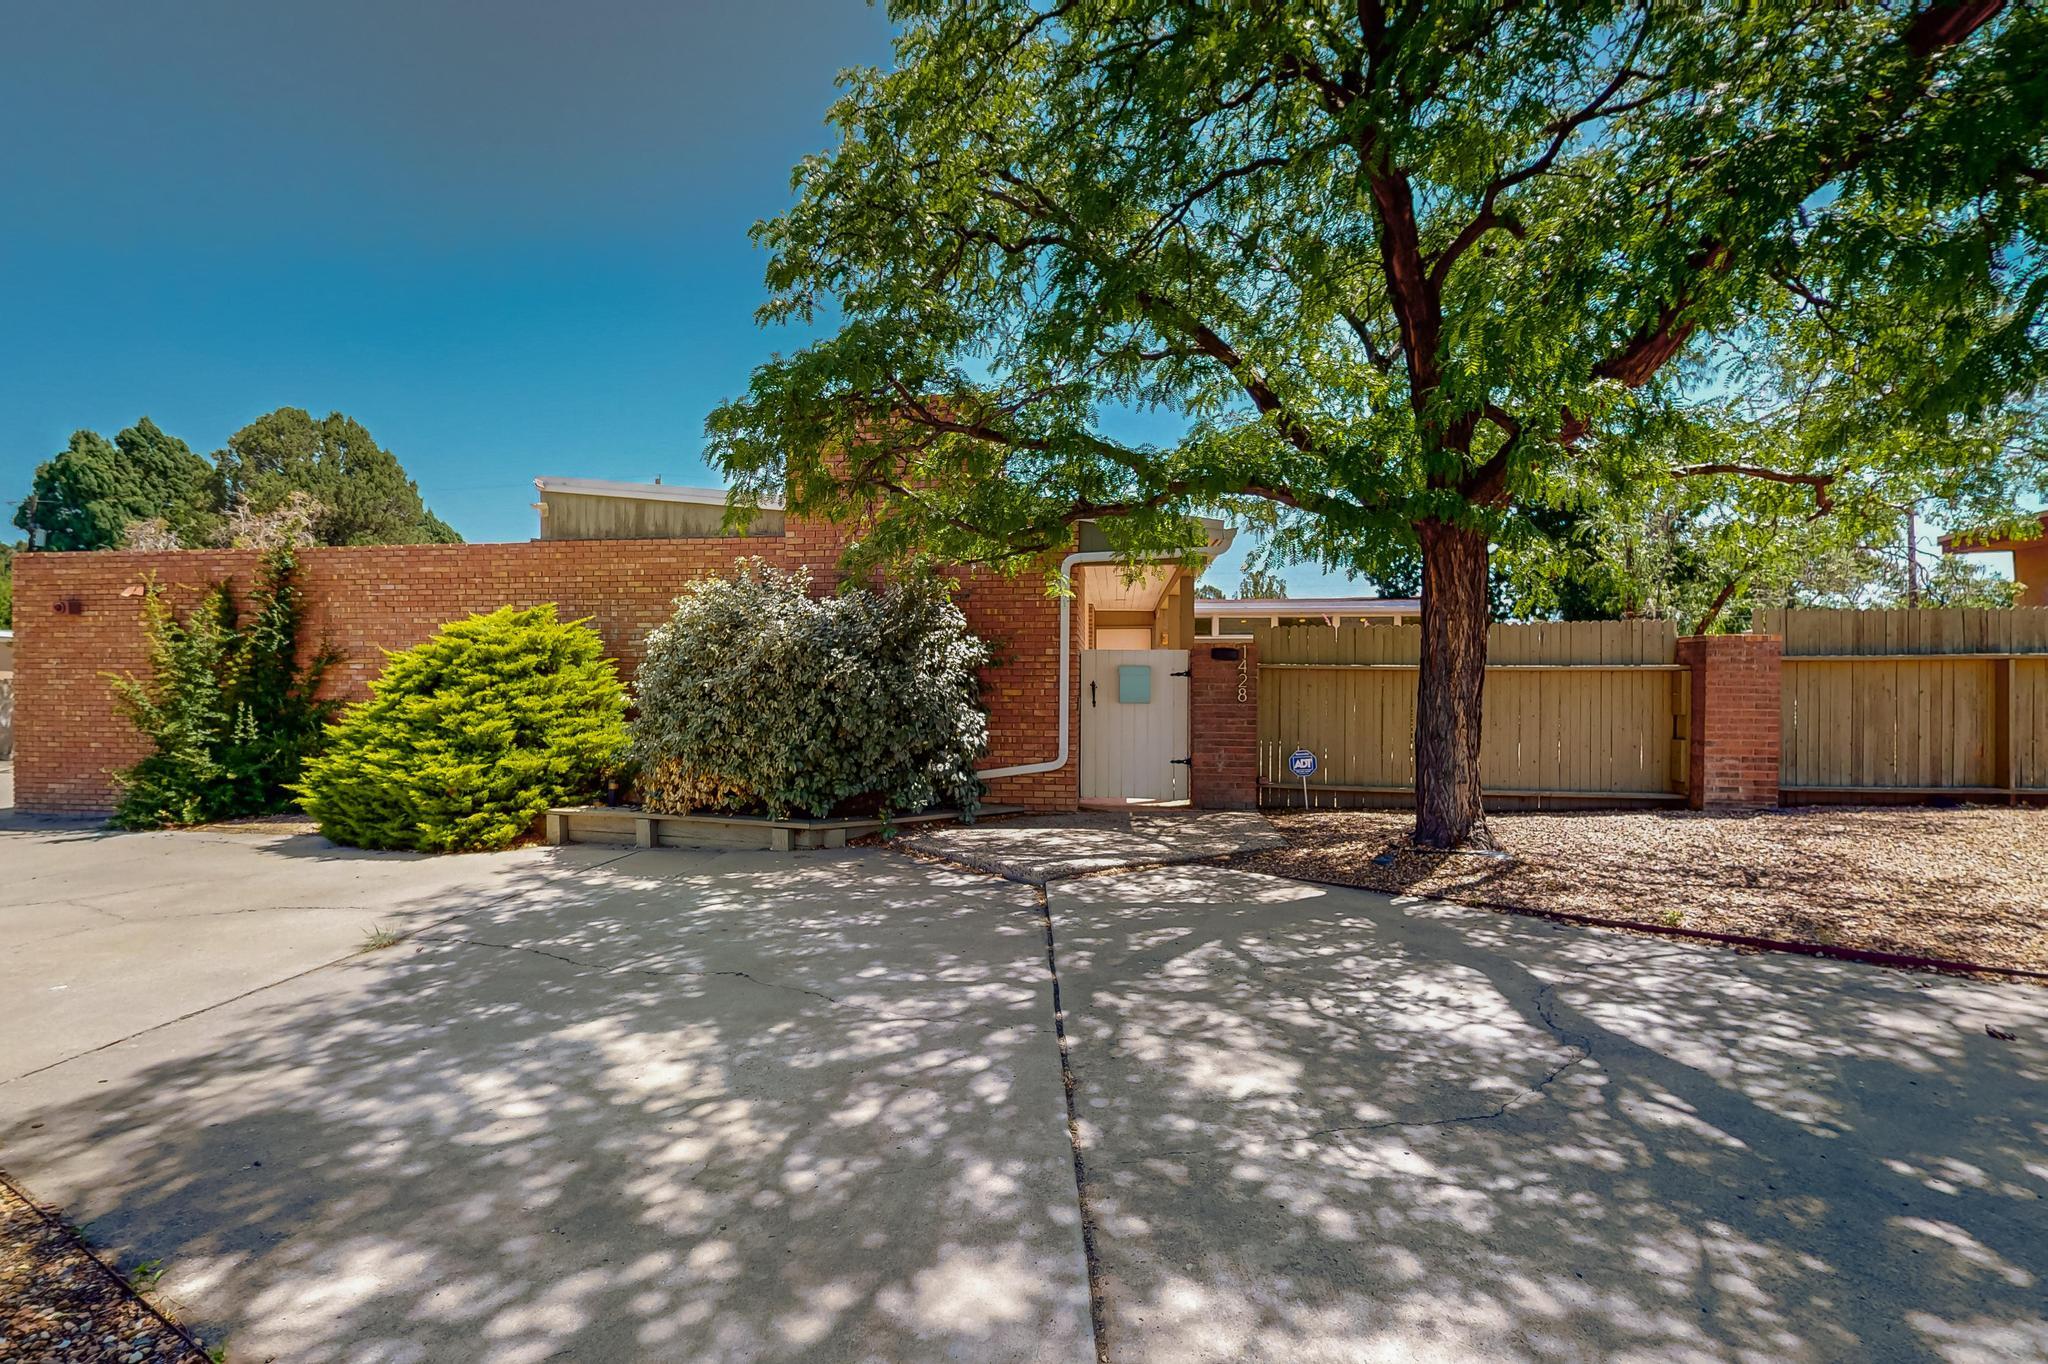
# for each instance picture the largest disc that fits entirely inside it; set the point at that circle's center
(87, 495)
(363, 493)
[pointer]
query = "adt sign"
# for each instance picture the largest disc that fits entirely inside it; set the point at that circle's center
(1301, 763)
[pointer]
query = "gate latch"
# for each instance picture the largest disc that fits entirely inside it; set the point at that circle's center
(1184, 672)
(1182, 762)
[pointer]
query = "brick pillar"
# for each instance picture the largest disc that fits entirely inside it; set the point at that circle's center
(1735, 719)
(1224, 724)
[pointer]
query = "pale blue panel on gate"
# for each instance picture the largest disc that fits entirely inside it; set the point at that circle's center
(1134, 683)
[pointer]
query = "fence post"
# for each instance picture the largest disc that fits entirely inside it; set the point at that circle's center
(1223, 715)
(1736, 721)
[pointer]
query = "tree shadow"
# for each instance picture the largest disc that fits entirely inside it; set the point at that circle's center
(1320, 1124)
(1948, 884)
(721, 1108)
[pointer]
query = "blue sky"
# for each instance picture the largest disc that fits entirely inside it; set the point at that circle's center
(511, 238)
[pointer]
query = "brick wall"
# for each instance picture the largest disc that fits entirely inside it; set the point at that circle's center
(1224, 716)
(1735, 719)
(368, 599)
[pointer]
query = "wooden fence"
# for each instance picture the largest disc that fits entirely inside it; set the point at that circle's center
(1577, 712)
(1910, 702)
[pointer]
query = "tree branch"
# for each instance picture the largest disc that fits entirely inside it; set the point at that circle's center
(1212, 344)
(1561, 131)
(920, 413)
(1636, 362)
(1823, 501)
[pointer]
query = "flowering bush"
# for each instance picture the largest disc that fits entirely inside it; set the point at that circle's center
(467, 738)
(756, 695)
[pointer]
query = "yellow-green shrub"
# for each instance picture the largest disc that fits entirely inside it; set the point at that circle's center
(468, 737)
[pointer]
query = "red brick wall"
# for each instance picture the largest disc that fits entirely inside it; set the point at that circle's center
(1735, 719)
(1224, 716)
(68, 738)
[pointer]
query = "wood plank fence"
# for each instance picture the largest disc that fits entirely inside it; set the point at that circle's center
(1913, 702)
(1576, 713)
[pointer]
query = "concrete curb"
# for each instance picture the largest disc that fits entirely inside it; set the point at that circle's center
(76, 1240)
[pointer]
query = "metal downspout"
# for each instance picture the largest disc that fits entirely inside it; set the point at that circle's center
(1095, 556)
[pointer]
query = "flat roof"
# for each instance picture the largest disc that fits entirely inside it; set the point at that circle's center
(1232, 608)
(644, 492)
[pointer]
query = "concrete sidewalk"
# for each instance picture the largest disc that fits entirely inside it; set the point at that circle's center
(1322, 1125)
(702, 1106)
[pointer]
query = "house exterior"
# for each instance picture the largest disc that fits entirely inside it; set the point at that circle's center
(2029, 558)
(1099, 696)
(1127, 744)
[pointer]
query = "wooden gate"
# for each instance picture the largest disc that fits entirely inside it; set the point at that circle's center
(1134, 725)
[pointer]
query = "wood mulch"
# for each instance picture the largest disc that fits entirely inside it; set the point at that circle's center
(59, 1304)
(1966, 884)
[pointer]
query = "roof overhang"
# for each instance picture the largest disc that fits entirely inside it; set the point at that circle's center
(1320, 608)
(1967, 542)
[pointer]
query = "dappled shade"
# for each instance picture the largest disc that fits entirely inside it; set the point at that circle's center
(1320, 1125)
(713, 1107)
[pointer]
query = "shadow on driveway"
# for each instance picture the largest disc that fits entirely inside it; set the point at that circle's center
(1322, 1125)
(713, 1107)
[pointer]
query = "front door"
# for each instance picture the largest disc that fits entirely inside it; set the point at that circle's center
(1134, 725)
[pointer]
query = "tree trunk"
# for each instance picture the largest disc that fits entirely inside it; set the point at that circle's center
(1448, 812)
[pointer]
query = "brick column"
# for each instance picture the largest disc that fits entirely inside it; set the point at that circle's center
(1735, 719)
(1224, 723)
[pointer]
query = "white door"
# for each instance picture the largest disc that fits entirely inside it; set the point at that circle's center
(1134, 724)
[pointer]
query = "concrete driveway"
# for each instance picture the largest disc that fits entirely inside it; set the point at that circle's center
(602, 1107)
(610, 1106)
(1321, 1125)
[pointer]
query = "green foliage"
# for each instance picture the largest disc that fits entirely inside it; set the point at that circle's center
(1446, 262)
(1405, 275)
(85, 496)
(360, 489)
(467, 738)
(283, 480)
(1261, 583)
(230, 711)
(756, 695)
(1556, 573)
(6, 587)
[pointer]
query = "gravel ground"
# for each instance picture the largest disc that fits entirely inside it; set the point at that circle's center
(57, 1306)
(1967, 884)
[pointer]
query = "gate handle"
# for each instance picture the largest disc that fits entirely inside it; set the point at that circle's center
(1091, 693)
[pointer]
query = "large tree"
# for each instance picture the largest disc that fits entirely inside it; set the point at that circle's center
(1409, 274)
(86, 495)
(361, 492)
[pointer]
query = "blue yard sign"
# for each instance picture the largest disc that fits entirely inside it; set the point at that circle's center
(1301, 763)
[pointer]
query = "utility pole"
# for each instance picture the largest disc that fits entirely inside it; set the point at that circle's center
(1912, 557)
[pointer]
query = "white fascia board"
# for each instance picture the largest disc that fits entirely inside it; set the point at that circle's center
(1273, 607)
